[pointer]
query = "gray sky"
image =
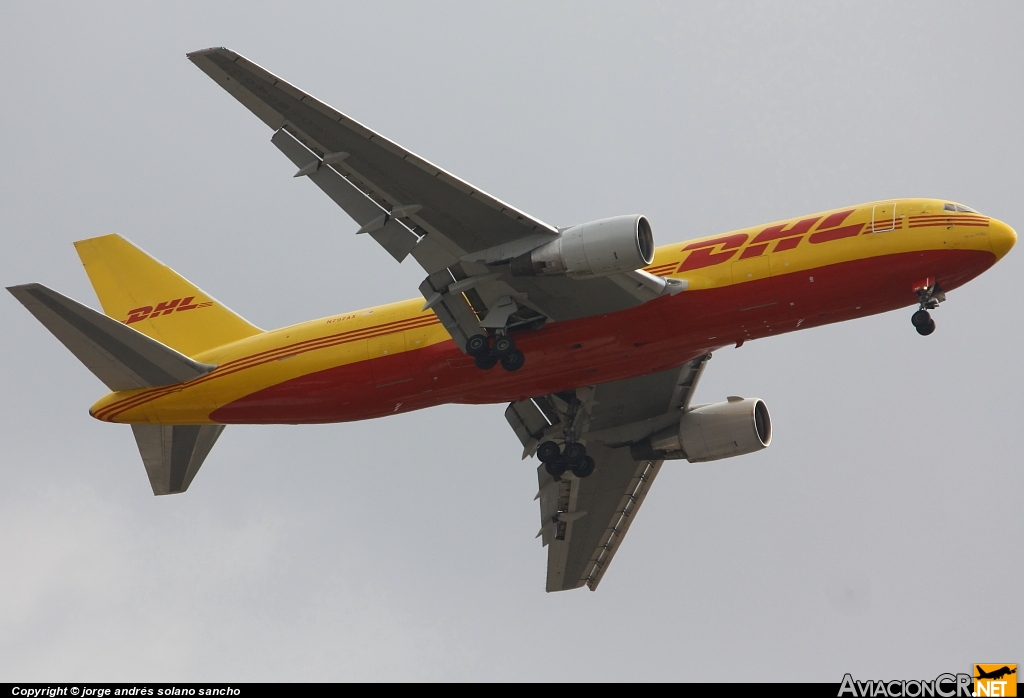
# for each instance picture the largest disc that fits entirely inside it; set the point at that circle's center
(877, 535)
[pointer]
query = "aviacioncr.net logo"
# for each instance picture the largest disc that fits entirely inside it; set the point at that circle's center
(943, 686)
(995, 680)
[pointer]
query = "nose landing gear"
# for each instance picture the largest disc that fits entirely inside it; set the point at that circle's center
(929, 295)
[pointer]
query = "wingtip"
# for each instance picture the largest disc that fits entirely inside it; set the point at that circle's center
(21, 287)
(191, 55)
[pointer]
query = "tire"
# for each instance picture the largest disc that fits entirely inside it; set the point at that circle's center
(548, 451)
(485, 362)
(555, 469)
(504, 345)
(575, 453)
(584, 469)
(927, 329)
(513, 361)
(477, 345)
(920, 319)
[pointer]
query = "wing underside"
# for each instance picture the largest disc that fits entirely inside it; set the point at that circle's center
(584, 519)
(461, 236)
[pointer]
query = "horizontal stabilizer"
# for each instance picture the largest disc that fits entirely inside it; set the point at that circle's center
(173, 454)
(121, 357)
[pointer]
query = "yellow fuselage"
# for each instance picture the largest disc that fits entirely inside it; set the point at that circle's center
(742, 285)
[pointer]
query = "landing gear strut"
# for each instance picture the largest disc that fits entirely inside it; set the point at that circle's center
(485, 355)
(929, 295)
(573, 458)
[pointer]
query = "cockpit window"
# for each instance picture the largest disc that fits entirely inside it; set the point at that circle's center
(959, 208)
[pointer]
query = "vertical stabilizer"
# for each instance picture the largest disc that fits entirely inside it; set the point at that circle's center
(152, 298)
(173, 454)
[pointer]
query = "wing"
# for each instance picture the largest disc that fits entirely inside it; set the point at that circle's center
(460, 235)
(583, 520)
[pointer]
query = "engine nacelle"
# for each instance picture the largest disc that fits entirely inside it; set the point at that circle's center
(600, 248)
(710, 432)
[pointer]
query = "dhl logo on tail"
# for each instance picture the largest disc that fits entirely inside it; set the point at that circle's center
(164, 308)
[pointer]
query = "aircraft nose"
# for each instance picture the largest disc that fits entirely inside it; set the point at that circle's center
(1001, 237)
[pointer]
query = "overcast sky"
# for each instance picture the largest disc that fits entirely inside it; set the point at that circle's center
(877, 535)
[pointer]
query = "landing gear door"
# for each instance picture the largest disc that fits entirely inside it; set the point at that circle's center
(883, 217)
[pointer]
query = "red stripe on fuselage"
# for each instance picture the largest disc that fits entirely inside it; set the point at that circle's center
(289, 350)
(653, 337)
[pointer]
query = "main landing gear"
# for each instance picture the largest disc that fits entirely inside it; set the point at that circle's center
(572, 457)
(503, 350)
(929, 297)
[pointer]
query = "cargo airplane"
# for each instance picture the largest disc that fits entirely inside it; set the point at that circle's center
(595, 337)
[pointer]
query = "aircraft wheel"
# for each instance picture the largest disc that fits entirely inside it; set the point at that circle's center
(927, 329)
(547, 452)
(575, 453)
(556, 468)
(921, 319)
(477, 345)
(485, 362)
(584, 468)
(504, 345)
(513, 361)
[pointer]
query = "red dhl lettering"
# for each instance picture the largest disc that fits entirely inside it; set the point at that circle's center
(164, 308)
(847, 231)
(708, 253)
(776, 232)
(835, 219)
(703, 254)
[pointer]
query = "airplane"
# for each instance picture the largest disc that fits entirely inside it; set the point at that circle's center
(601, 336)
(995, 674)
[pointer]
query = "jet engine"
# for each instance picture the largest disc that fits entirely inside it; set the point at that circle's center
(710, 432)
(599, 248)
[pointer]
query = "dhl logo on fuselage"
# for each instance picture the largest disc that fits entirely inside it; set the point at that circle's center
(164, 308)
(786, 236)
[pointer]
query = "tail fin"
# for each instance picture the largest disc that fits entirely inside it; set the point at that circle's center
(173, 454)
(152, 298)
